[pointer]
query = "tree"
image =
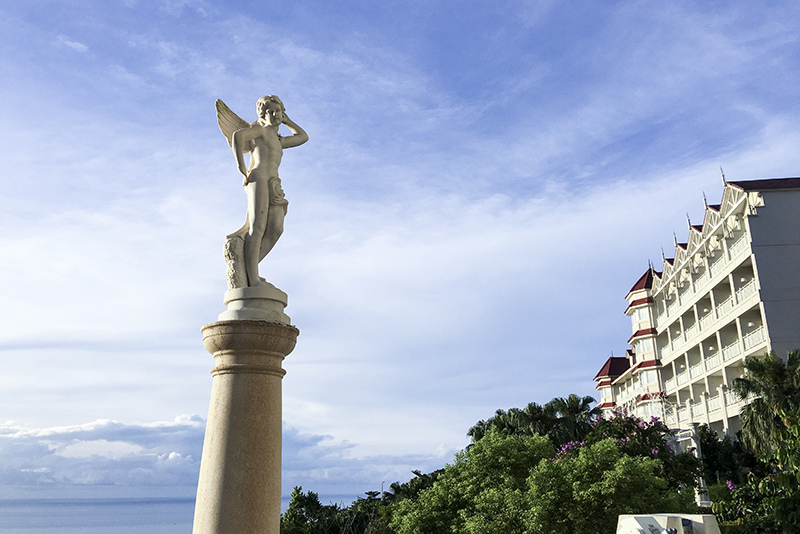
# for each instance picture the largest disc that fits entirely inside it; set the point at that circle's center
(583, 493)
(774, 386)
(483, 486)
(306, 515)
(563, 419)
(574, 417)
(647, 439)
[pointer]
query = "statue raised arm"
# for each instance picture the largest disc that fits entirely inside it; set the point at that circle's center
(266, 203)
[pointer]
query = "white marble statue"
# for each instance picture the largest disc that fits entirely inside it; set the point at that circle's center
(266, 204)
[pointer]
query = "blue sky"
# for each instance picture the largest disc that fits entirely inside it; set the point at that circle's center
(482, 185)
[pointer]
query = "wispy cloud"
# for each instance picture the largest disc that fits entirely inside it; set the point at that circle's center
(72, 45)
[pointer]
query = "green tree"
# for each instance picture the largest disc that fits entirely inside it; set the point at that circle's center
(563, 419)
(647, 439)
(774, 387)
(725, 459)
(306, 515)
(574, 417)
(483, 486)
(585, 492)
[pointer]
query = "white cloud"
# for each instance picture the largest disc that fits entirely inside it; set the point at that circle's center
(72, 45)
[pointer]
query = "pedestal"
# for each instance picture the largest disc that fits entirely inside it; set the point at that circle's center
(239, 491)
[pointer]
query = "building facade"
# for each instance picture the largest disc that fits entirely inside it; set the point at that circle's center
(732, 290)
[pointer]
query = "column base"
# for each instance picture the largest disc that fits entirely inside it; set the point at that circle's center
(261, 303)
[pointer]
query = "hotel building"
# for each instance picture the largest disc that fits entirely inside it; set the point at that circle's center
(732, 290)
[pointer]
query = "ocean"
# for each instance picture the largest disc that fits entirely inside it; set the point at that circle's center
(108, 516)
(96, 516)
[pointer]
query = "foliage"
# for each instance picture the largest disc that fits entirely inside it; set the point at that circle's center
(584, 492)
(773, 385)
(771, 427)
(744, 506)
(306, 515)
(412, 488)
(725, 459)
(647, 439)
(480, 492)
(563, 419)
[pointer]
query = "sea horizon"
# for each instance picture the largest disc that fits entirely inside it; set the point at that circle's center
(110, 515)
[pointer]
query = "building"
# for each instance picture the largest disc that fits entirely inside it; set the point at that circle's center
(732, 290)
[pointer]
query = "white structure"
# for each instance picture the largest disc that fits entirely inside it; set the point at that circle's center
(731, 291)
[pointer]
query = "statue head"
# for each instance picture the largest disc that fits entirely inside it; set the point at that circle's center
(264, 103)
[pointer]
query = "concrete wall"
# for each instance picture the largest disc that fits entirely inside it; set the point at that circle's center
(775, 235)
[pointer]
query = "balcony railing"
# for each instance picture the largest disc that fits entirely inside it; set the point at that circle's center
(691, 331)
(696, 370)
(713, 361)
(714, 403)
(738, 247)
(746, 290)
(731, 351)
(725, 306)
(706, 320)
(702, 279)
(719, 263)
(754, 338)
(670, 383)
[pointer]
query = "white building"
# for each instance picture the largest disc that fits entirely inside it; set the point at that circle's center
(731, 291)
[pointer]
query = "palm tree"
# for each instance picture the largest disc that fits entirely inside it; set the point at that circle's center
(573, 417)
(774, 385)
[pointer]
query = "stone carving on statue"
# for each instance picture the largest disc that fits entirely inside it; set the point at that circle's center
(266, 203)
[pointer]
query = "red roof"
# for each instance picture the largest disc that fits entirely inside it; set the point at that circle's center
(614, 367)
(644, 282)
(639, 302)
(645, 364)
(767, 184)
(607, 404)
(643, 332)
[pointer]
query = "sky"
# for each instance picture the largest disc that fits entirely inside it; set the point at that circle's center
(483, 184)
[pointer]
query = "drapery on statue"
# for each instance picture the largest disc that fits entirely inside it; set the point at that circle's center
(266, 204)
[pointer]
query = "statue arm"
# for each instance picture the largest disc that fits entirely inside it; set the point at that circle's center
(300, 136)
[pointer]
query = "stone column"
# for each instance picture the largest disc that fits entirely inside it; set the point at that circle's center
(239, 490)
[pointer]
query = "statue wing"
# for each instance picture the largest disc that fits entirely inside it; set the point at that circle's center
(229, 121)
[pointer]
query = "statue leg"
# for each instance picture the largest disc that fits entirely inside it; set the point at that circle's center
(274, 229)
(257, 209)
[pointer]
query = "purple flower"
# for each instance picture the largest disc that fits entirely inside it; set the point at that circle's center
(731, 485)
(654, 452)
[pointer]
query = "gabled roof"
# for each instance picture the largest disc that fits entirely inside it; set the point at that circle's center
(615, 366)
(767, 184)
(644, 282)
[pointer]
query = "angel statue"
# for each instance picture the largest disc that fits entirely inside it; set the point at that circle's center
(266, 203)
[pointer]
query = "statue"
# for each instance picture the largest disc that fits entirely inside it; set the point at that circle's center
(266, 203)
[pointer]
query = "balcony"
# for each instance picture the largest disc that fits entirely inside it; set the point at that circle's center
(714, 403)
(739, 246)
(706, 320)
(697, 370)
(731, 351)
(716, 267)
(746, 290)
(725, 306)
(754, 338)
(670, 383)
(713, 362)
(683, 378)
